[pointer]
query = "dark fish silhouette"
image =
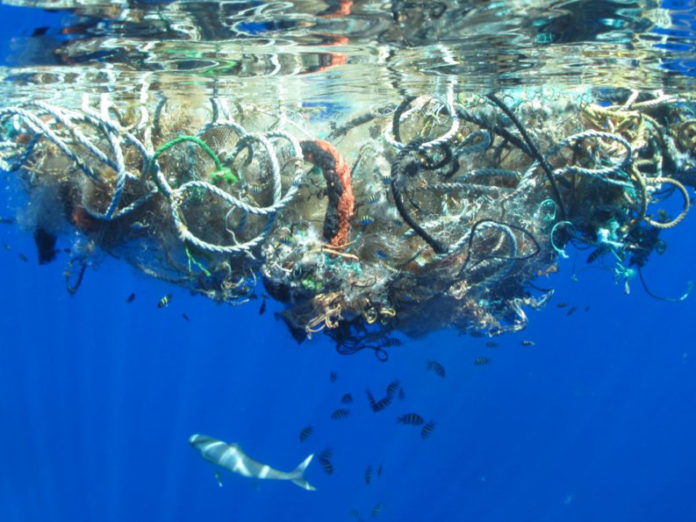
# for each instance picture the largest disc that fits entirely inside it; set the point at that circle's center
(370, 399)
(185, 317)
(376, 510)
(368, 474)
(347, 398)
(402, 394)
(480, 361)
(340, 413)
(325, 461)
(571, 310)
(306, 432)
(411, 418)
(6, 221)
(392, 388)
(23, 257)
(130, 298)
(262, 308)
(333, 377)
(436, 368)
(427, 430)
(491, 344)
(379, 470)
(561, 305)
(380, 404)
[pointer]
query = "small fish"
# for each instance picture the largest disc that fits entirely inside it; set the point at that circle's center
(347, 398)
(370, 399)
(376, 510)
(436, 368)
(368, 474)
(6, 221)
(325, 461)
(262, 309)
(218, 477)
(380, 404)
(480, 361)
(6, 246)
(287, 241)
(23, 257)
(379, 470)
(427, 430)
(561, 305)
(306, 432)
(366, 221)
(333, 377)
(374, 198)
(130, 298)
(164, 301)
(571, 310)
(185, 317)
(491, 344)
(411, 418)
(527, 342)
(402, 394)
(393, 387)
(340, 413)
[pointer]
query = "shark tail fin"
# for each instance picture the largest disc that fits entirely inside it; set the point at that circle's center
(298, 474)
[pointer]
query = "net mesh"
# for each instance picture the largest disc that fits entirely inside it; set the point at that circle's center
(427, 213)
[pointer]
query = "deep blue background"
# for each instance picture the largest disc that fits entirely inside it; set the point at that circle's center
(597, 421)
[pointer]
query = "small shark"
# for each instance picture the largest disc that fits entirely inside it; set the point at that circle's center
(232, 458)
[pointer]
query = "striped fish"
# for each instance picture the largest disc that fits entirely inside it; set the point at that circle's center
(340, 413)
(376, 510)
(306, 432)
(411, 418)
(392, 388)
(380, 404)
(325, 461)
(162, 303)
(436, 368)
(427, 430)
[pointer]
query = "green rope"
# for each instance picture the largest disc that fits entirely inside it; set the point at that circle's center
(220, 172)
(196, 263)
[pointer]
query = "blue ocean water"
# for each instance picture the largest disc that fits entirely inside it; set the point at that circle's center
(98, 397)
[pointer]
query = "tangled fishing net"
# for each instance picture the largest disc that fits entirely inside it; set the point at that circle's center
(429, 213)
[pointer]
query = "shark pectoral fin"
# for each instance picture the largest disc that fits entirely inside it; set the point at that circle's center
(218, 477)
(298, 474)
